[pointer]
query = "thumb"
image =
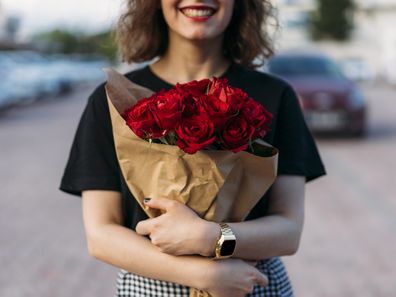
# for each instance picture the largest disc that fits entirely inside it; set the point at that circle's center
(144, 227)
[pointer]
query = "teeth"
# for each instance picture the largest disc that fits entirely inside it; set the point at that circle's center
(197, 12)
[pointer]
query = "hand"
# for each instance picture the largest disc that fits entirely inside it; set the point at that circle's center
(232, 278)
(179, 230)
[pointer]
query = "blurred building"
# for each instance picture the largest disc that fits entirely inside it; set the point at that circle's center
(372, 48)
(375, 31)
(3, 21)
(293, 16)
(9, 27)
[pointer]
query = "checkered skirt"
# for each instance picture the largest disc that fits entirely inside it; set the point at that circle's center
(129, 284)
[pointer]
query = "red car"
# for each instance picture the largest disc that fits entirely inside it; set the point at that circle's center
(330, 101)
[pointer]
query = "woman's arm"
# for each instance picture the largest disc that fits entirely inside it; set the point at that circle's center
(179, 231)
(278, 233)
(114, 244)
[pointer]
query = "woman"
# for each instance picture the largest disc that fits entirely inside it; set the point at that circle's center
(164, 256)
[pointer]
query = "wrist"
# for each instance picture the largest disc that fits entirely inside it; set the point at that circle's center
(199, 271)
(210, 234)
(206, 274)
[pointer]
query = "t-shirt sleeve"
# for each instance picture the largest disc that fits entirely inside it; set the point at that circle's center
(92, 163)
(298, 154)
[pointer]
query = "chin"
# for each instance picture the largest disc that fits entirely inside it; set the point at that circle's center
(200, 35)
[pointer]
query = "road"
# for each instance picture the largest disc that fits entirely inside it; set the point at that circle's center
(347, 248)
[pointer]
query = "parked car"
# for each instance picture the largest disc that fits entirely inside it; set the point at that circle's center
(330, 101)
(28, 76)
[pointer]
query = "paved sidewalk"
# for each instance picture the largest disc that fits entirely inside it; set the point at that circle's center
(349, 242)
(43, 251)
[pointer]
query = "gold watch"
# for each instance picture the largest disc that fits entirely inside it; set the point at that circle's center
(225, 245)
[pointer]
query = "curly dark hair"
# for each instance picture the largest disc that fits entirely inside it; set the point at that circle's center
(142, 32)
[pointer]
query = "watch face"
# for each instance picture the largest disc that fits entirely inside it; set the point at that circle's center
(227, 248)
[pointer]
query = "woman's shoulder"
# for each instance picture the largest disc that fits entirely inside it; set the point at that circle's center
(259, 83)
(98, 95)
(260, 79)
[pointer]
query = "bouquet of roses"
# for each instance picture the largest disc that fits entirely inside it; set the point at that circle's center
(200, 114)
(198, 143)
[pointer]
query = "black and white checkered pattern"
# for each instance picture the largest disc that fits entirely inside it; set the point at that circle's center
(129, 284)
(279, 283)
(133, 285)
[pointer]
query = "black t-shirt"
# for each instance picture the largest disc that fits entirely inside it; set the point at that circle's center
(93, 164)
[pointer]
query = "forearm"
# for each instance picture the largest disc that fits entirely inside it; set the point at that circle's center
(122, 247)
(276, 234)
(266, 237)
(262, 238)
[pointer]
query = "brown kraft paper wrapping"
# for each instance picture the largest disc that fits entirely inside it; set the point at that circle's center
(219, 186)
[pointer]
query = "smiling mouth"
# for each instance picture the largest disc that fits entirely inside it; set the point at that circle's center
(201, 12)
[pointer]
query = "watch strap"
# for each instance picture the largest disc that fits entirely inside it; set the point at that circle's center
(226, 235)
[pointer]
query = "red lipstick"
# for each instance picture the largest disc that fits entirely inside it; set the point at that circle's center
(198, 13)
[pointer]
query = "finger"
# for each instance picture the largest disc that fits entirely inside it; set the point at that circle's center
(159, 203)
(262, 279)
(144, 227)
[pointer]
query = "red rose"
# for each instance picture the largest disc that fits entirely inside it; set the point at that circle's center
(196, 87)
(190, 106)
(166, 109)
(257, 116)
(195, 133)
(218, 111)
(222, 90)
(237, 98)
(142, 121)
(236, 134)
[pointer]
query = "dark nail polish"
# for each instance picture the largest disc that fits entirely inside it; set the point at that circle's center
(146, 200)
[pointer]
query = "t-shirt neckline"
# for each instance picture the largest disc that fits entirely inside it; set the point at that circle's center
(167, 84)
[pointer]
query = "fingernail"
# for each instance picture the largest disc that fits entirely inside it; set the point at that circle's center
(146, 200)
